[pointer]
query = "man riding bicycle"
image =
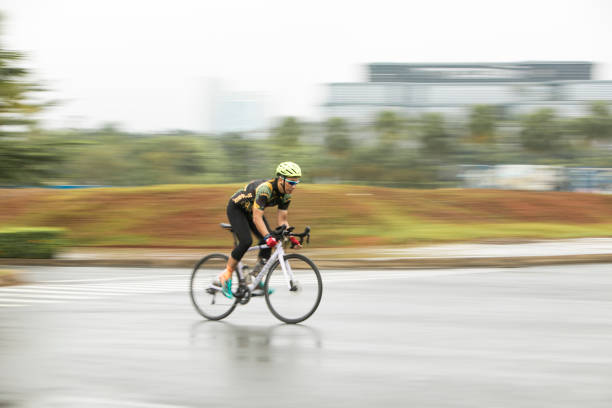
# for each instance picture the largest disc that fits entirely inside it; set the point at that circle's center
(245, 211)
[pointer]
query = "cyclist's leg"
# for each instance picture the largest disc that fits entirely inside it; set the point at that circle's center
(262, 257)
(240, 225)
(263, 253)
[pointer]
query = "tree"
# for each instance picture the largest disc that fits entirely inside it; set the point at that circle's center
(598, 125)
(21, 158)
(482, 121)
(338, 139)
(541, 131)
(237, 150)
(435, 139)
(288, 132)
(388, 127)
(16, 104)
(286, 143)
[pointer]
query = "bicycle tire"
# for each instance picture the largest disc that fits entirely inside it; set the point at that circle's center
(286, 304)
(211, 304)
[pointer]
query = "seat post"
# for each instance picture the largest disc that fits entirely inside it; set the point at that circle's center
(229, 228)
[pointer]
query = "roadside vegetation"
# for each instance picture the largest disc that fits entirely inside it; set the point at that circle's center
(340, 215)
(31, 242)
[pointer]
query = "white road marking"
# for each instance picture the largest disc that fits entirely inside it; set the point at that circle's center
(54, 293)
(94, 289)
(70, 401)
(27, 301)
(124, 278)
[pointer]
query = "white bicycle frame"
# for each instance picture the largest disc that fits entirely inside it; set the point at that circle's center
(278, 254)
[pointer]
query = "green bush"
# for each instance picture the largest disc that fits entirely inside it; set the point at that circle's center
(31, 242)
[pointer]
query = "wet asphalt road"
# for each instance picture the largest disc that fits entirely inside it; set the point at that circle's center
(115, 337)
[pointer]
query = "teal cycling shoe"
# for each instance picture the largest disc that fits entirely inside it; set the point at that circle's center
(259, 290)
(226, 286)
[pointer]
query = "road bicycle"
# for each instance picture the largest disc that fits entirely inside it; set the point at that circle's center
(292, 286)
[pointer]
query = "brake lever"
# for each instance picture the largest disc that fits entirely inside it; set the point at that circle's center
(292, 244)
(305, 234)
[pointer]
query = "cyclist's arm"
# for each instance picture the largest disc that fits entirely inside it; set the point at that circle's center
(259, 222)
(282, 218)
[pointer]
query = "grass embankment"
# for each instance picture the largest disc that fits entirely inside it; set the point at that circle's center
(189, 216)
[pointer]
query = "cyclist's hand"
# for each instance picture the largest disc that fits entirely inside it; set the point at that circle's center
(270, 241)
(295, 242)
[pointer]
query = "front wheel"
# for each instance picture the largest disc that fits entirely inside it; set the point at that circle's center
(295, 301)
(206, 297)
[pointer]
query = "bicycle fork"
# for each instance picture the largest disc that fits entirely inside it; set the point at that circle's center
(289, 277)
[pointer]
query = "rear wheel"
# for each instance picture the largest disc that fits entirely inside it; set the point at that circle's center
(296, 301)
(206, 297)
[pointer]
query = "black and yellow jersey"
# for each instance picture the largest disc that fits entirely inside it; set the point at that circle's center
(261, 194)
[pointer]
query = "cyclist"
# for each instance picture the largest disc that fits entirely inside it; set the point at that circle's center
(245, 211)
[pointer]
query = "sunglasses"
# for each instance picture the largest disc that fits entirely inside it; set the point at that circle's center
(292, 182)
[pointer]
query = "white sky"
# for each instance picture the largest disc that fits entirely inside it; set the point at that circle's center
(147, 64)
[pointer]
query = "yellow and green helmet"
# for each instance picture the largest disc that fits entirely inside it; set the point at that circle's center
(288, 169)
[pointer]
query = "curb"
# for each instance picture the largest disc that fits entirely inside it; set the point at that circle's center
(465, 262)
(343, 263)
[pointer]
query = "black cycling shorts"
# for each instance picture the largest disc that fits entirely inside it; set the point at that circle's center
(243, 226)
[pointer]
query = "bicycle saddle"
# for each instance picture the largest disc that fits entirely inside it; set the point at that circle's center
(226, 226)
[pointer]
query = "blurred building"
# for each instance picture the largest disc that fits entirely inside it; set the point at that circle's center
(232, 111)
(537, 177)
(451, 89)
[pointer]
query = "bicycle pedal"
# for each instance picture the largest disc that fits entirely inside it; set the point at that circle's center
(213, 289)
